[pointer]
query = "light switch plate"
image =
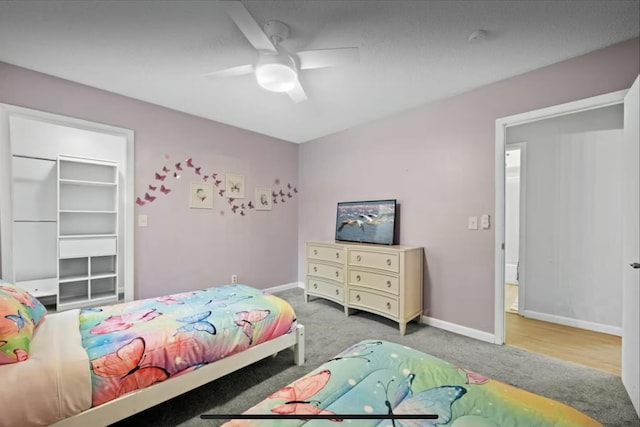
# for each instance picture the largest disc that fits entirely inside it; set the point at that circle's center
(142, 220)
(485, 221)
(472, 223)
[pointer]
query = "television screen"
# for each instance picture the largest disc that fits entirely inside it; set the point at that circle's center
(370, 221)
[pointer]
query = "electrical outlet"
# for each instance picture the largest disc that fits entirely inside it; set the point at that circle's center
(234, 278)
(484, 220)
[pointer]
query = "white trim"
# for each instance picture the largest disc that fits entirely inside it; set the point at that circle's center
(600, 101)
(285, 287)
(574, 323)
(462, 330)
(522, 222)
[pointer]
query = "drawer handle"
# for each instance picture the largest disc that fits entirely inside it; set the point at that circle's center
(388, 261)
(337, 273)
(358, 278)
(315, 269)
(388, 283)
(359, 258)
(315, 286)
(337, 255)
(389, 306)
(315, 252)
(337, 291)
(357, 297)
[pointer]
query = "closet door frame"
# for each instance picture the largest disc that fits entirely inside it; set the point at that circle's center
(8, 111)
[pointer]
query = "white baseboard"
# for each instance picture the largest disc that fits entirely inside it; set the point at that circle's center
(462, 330)
(285, 287)
(574, 323)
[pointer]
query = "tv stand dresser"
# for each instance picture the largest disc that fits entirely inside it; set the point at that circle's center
(380, 279)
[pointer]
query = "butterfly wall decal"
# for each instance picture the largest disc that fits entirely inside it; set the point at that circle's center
(149, 197)
(297, 395)
(152, 188)
(126, 363)
(248, 318)
(160, 177)
(217, 182)
(221, 193)
(196, 322)
(178, 166)
(190, 162)
(122, 322)
(198, 170)
(140, 202)
(164, 189)
(165, 169)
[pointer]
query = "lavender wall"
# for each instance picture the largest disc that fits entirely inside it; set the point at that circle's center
(183, 249)
(438, 161)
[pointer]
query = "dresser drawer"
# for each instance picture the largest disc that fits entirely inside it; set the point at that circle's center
(329, 290)
(380, 260)
(371, 301)
(382, 282)
(325, 253)
(328, 271)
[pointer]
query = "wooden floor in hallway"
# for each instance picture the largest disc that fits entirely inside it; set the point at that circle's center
(580, 346)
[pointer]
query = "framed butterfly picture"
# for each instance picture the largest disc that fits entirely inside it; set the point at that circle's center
(201, 195)
(234, 185)
(263, 199)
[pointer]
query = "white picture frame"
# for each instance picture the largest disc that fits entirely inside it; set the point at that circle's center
(263, 199)
(201, 195)
(234, 185)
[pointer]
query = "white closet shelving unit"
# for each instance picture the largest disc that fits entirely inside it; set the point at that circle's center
(88, 197)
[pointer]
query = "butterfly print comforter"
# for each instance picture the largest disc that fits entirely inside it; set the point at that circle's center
(379, 377)
(136, 344)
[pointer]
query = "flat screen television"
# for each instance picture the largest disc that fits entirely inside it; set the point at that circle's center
(371, 221)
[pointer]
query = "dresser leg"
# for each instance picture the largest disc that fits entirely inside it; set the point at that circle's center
(403, 328)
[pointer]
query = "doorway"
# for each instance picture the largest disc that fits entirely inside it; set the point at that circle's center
(506, 253)
(515, 155)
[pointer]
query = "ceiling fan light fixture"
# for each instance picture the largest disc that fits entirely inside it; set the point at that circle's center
(276, 73)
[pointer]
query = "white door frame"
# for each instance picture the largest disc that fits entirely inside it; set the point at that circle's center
(522, 220)
(8, 110)
(600, 101)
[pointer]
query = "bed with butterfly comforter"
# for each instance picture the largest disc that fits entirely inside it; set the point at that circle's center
(378, 377)
(91, 366)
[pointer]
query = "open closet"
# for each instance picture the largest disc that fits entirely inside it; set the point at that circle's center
(65, 208)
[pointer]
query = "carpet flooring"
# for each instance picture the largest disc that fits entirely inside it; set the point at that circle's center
(328, 331)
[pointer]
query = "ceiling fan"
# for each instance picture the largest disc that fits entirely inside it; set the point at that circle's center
(276, 69)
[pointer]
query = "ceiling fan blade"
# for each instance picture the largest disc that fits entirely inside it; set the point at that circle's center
(248, 26)
(321, 58)
(230, 72)
(297, 93)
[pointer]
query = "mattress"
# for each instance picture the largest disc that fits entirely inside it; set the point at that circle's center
(382, 380)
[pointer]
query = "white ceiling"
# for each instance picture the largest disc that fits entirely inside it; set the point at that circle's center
(411, 52)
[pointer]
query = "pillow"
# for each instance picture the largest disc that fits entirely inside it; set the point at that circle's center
(31, 305)
(16, 330)
(20, 314)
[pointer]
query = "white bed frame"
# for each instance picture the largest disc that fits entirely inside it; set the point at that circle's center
(132, 403)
